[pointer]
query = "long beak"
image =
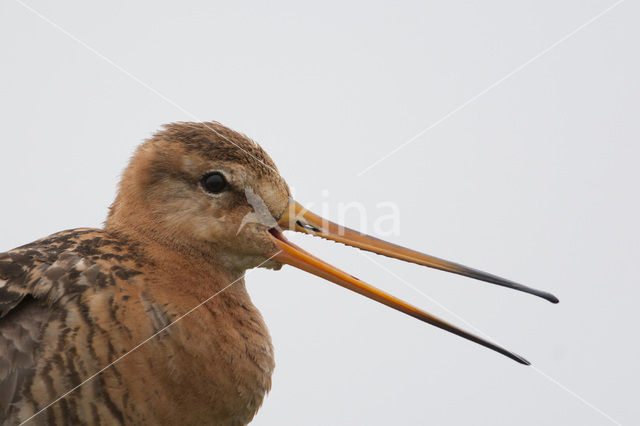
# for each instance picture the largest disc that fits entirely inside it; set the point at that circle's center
(297, 218)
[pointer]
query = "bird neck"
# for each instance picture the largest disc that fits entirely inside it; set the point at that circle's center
(167, 250)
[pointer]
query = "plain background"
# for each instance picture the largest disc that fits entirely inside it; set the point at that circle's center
(536, 180)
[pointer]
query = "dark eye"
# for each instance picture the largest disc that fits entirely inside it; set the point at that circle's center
(214, 183)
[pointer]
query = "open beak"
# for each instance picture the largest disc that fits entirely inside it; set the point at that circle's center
(297, 218)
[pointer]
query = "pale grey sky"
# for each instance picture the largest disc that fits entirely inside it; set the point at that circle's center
(535, 179)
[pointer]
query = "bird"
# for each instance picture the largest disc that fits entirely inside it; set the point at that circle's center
(147, 320)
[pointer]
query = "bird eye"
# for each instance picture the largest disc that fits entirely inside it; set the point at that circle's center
(214, 183)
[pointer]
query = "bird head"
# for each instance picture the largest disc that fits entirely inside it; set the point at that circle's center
(204, 189)
(209, 191)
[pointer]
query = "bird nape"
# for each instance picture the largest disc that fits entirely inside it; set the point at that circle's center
(148, 320)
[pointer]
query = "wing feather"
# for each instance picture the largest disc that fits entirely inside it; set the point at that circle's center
(36, 283)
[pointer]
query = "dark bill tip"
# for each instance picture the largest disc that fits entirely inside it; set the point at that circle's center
(494, 279)
(521, 360)
(551, 298)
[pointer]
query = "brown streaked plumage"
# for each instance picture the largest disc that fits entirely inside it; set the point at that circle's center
(76, 301)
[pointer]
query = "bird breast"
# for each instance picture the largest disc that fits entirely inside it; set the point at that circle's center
(214, 363)
(138, 335)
